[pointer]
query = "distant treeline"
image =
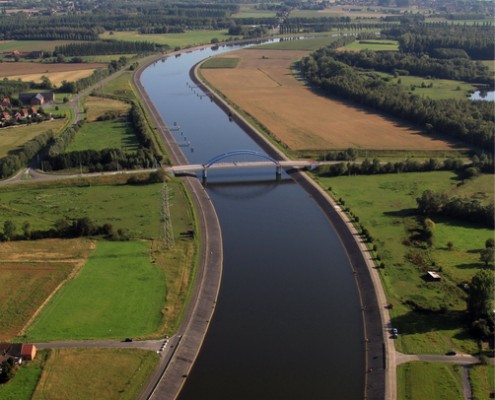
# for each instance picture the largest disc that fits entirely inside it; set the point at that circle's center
(477, 41)
(20, 158)
(10, 88)
(412, 64)
(107, 47)
(469, 121)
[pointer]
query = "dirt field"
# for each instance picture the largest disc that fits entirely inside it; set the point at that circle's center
(29, 273)
(263, 85)
(27, 71)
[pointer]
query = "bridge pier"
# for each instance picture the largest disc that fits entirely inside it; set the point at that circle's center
(205, 175)
(278, 172)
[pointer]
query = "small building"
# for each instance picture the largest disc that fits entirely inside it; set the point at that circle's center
(36, 99)
(433, 276)
(17, 351)
(28, 351)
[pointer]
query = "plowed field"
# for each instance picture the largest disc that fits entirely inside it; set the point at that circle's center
(264, 86)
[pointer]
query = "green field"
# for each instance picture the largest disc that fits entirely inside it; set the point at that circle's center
(81, 374)
(421, 380)
(14, 137)
(376, 45)
(482, 378)
(118, 293)
(105, 58)
(250, 11)
(22, 386)
(32, 45)
(120, 87)
(440, 88)
(187, 39)
(103, 204)
(387, 209)
(100, 135)
(298, 44)
(221, 62)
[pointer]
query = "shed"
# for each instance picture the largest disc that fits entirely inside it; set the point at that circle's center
(434, 276)
(28, 352)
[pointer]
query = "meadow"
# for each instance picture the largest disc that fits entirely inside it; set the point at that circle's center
(14, 137)
(187, 39)
(119, 293)
(387, 209)
(31, 45)
(375, 45)
(292, 43)
(113, 373)
(115, 134)
(221, 62)
(30, 272)
(96, 107)
(482, 378)
(438, 381)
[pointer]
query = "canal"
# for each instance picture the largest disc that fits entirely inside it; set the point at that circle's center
(288, 323)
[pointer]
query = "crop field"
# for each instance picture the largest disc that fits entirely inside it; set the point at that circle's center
(387, 208)
(118, 293)
(187, 39)
(32, 71)
(30, 272)
(80, 374)
(14, 137)
(438, 381)
(32, 45)
(302, 119)
(376, 45)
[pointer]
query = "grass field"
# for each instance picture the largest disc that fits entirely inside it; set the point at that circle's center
(32, 45)
(386, 208)
(250, 11)
(98, 106)
(440, 88)
(80, 374)
(30, 272)
(118, 293)
(104, 204)
(304, 120)
(438, 381)
(220, 62)
(105, 58)
(116, 133)
(14, 137)
(120, 87)
(376, 45)
(187, 39)
(482, 378)
(22, 386)
(295, 43)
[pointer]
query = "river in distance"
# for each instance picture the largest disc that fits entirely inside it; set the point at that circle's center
(287, 324)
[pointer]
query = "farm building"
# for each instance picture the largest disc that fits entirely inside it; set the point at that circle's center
(37, 99)
(17, 351)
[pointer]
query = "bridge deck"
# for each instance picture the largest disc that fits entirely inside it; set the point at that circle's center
(242, 164)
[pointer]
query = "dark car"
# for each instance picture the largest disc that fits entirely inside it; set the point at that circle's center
(451, 353)
(128, 339)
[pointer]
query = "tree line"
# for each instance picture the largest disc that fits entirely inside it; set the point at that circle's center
(477, 41)
(413, 64)
(469, 121)
(107, 47)
(18, 159)
(432, 203)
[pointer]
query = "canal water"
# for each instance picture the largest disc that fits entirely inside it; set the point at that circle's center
(288, 322)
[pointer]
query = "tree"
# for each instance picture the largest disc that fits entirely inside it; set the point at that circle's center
(8, 370)
(487, 255)
(480, 298)
(490, 243)
(9, 229)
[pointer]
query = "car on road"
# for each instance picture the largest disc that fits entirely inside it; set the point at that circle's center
(128, 340)
(451, 353)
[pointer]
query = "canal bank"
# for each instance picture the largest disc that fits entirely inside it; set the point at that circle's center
(380, 371)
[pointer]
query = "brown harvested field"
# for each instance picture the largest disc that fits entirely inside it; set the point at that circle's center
(30, 271)
(263, 86)
(98, 106)
(27, 71)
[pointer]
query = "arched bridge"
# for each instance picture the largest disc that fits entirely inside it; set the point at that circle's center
(220, 161)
